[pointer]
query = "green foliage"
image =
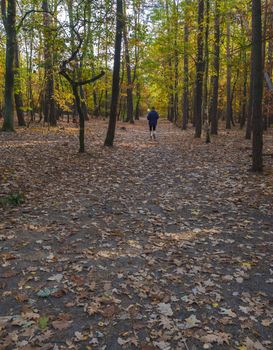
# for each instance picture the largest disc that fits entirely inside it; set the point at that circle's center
(12, 199)
(155, 35)
(43, 322)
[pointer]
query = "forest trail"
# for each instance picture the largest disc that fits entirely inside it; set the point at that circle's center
(148, 245)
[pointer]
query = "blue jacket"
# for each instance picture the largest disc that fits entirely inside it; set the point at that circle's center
(152, 117)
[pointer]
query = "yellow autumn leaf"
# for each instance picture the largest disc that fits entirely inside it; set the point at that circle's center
(246, 264)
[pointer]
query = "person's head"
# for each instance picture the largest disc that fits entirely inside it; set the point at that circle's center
(153, 108)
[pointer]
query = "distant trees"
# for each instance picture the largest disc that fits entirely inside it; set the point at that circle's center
(194, 60)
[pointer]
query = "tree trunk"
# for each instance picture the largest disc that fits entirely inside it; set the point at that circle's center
(138, 98)
(269, 65)
(244, 104)
(18, 97)
(48, 103)
(129, 89)
(170, 74)
(137, 10)
(216, 68)
(81, 117)
(9, 17)
(185, 117)
(229, 99)
(206, 64)
(176, 61)
(257, 62)
(115, 83)
(199, 71)
(250, 103)
(264, 41)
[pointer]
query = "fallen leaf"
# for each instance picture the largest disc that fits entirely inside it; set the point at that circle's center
(251, 345)
(109, 311)
(192, 322)
(162, 345)
(57, 278)
(42, 322)
(267, 323)
(227, 312)
(21, 297)
(165, 309)
(61, 325)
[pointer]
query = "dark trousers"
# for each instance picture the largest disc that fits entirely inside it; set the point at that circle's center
(152, 127)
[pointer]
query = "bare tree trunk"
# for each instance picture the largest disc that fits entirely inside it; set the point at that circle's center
(18, 97)
(244, 104)
(229, 99)
(216, 68)
(264, 40)
(138, 98)
(129, 89)
(9, 17)
(115, 84)
(257, 156)
(48, 102)
(186, 71)
(269, 65)
(199, 71)
(250, 103)
(206, 63)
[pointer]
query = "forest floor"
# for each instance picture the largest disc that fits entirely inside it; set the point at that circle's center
(147, 245)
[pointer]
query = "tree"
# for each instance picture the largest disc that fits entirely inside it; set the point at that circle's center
(75, 88)
(48, 101)
(229, 99)
(9, 20)
(185, 117)
(215, 75)
(199, 71)
(109, 141)
(257, 71)
(18, 96)
(206, 63)
(129, 88)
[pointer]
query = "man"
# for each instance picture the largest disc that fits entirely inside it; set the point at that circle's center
(152, 119)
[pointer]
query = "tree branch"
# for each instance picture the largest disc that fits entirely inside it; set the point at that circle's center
(66, 76)
(27, 14)
(84, 82)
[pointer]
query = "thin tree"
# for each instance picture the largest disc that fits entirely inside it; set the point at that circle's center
(215, 76)
(75, 85)
(9, 20)
(185, 117)
(257, 71)
(48, 101)
(176, 59)
(199, 71)
(18, 96)
(229, 99)
(109, 141)
(250, 103)
(129, 89)
(206, 63)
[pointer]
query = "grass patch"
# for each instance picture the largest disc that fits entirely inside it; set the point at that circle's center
(13, 199)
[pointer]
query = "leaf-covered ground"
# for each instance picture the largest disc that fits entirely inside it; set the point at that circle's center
(148, 245)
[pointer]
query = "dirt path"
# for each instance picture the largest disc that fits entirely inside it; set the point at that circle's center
(149, 245)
